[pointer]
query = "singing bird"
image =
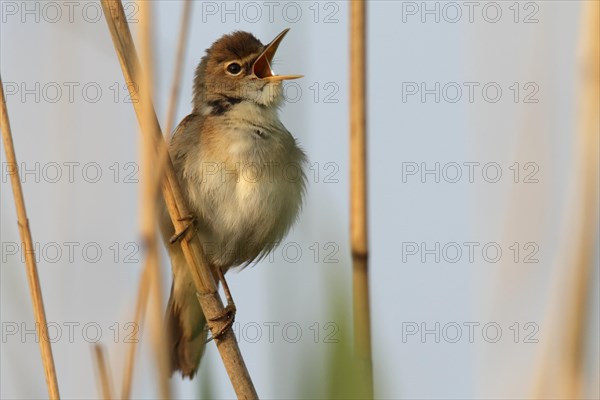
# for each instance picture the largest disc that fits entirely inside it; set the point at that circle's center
(241, 173)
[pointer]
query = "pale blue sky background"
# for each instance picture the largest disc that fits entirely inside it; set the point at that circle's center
(98, 130)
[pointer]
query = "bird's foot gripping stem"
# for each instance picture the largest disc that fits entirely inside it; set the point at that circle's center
(228, 314)
(191, 220)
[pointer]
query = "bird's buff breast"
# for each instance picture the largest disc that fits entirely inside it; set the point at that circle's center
(247, 191)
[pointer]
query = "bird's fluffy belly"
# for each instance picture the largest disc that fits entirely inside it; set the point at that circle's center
(248, 199)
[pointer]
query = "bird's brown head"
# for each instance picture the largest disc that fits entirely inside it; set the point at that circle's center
(237, 67)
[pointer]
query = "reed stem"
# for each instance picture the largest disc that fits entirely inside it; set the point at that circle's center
(25, 233)
(148, 199)
(104, 380)
(358, 192)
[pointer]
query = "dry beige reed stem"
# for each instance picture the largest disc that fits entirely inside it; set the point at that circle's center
(562, 376)
(358, 192)
(143, 288)
(175, 87)
(30, 263)
(140, 307)
(211, 303)
(104, 380)
(186, 14)
(589, 132)
(148, 200)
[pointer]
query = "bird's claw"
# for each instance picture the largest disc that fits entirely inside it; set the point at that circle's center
(177, 236)
(228, 315)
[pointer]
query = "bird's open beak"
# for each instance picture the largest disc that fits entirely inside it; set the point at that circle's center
(262, 66)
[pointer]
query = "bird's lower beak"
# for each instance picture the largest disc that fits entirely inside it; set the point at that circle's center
(262, 66)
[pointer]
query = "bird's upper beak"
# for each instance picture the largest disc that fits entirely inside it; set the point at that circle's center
(262, 66)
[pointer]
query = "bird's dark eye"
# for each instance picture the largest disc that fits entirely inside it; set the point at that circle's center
(234, 68)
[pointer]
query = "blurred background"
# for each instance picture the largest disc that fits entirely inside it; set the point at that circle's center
(483, 199)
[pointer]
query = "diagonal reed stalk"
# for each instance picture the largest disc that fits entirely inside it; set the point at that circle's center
(104, 380)
(209, 299)
(358, 193)
(30, 263)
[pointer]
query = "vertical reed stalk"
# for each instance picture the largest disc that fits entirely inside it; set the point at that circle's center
(140, 309)
(358, 192)
(143, 287)
(30, 263)
(589, 133)
(561, 372)
(186, 14)
(209, 299)
(148, 199)
(104, 380)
